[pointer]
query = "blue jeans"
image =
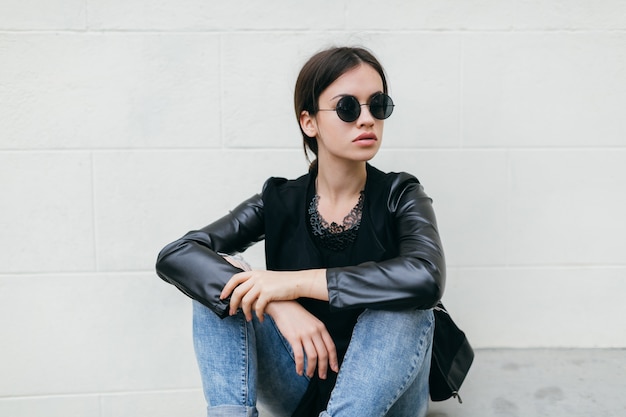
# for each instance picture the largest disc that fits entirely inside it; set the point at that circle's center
(384, 372)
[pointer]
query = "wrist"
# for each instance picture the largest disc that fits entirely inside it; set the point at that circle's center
(313, 284)
(273, 307)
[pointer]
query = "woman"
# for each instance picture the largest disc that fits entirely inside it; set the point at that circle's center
(340, 323)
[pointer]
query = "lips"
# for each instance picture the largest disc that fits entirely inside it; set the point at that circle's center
(365, 136)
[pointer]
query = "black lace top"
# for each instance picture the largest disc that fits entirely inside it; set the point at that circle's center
(333, 236)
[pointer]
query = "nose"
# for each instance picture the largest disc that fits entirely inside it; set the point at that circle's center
(365, 118)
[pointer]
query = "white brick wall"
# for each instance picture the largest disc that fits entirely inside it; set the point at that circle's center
(123, 124)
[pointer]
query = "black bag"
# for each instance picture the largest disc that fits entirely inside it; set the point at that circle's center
(452, 357)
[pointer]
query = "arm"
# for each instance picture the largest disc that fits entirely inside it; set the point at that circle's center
(256, 289)
(307, 336)
(192, 263)
(413, 279)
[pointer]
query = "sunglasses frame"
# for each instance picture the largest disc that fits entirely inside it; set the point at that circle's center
(350, 115)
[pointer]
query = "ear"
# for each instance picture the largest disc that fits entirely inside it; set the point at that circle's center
(308, 124)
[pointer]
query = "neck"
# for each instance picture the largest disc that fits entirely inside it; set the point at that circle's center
(340, 181)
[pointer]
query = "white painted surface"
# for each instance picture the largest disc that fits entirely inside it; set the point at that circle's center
(124, 124)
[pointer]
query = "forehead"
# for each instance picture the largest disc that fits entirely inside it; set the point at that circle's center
(361, 80)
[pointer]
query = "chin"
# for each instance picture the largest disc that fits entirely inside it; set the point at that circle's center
(366, 156)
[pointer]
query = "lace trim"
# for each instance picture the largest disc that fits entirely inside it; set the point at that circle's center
(335, 236)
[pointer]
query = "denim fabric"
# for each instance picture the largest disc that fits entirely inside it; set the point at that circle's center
(384, 373)
(231, 361)
(385, 370)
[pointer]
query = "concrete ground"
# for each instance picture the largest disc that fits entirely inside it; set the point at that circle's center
(540, 382)
(534, 383)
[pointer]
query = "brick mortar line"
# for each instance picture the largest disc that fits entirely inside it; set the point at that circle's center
(511, 267)
(315, 31)
(100, 394)
(289, 150)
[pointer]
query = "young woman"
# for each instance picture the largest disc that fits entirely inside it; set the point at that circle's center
(340, 323)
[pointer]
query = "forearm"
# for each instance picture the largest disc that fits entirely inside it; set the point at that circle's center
(197, 271)
(276, 308)
(192, 263)
(415, 278)
(256, 289)
(393, 284)
(308, 283)
(312, 284)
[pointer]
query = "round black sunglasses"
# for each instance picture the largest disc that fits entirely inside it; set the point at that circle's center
(349, 109)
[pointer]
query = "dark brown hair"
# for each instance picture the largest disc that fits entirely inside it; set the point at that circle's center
(321, 70)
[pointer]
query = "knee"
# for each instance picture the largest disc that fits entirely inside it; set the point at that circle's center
(400, 320)
(401, 333)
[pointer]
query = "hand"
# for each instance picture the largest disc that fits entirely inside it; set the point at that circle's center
(307, 335)
(257, 288)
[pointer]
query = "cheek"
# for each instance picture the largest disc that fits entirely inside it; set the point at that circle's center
(332, 130)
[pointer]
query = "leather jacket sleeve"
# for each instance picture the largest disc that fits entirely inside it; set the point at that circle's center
(413, 279)
(187, 262)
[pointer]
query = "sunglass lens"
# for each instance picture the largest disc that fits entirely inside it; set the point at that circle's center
(381, 106)
(348, 109)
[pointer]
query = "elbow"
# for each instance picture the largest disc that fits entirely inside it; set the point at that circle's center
(435, 288)
(165, 261)
(431, 287)
(161, 266)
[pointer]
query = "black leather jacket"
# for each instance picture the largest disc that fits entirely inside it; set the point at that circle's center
(398, 259)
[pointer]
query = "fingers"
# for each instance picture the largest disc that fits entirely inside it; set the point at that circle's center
(308, 337)
(320, 353)
(311, 356)
(333, 360)
(298, 357)
(259, 308)
(242, 294)
(322, 358)
(244, 297)
(249, 298)
(233, 283)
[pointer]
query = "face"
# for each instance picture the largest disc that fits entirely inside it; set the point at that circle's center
(355, 141)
